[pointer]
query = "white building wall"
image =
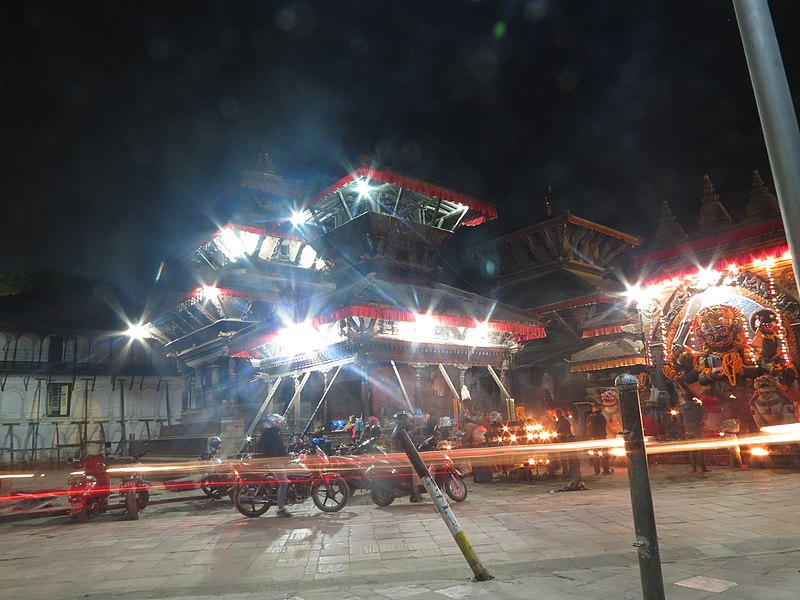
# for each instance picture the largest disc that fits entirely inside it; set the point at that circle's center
(30, 433)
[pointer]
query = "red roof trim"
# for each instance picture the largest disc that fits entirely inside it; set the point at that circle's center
(575, 303)
(600, 331)
(487, 210)
(520, 332)
(711, 242)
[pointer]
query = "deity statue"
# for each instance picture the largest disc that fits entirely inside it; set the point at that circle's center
(769, 405)
(722, 363)
(610, 400)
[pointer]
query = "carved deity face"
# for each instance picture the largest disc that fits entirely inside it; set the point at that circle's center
(610, 398)
(765, 321)
(718, 329)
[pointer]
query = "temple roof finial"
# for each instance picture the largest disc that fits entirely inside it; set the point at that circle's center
(668, 226)
(265, 160)
(712, 212)
(762, 205)
(548, 206)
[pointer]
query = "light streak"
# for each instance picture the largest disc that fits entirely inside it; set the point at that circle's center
(19, 475)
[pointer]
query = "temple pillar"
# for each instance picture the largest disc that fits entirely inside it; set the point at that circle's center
(297, 402)
(213, 388)
(418, 386)
(326, 413)
(511, 411)
(366, 392)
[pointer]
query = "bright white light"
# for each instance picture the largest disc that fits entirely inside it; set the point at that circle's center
(759, 451)
(786, 428)
(707, 277)
(297, 219)
(137, 331)
(639, 296)
(308, 258)
(617, 452)
(363, 188)
(425, 327)
(208, 292)
(304, 338)
(230, 245)
(477, 335)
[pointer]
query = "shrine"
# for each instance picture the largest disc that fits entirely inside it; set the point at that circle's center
(720, 313)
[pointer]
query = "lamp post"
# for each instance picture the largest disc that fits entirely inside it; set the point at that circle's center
(775, 108)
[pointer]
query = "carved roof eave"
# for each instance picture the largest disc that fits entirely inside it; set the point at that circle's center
(375, 352)
(537, 271)
(581, 301)
(480, 210)
(627, 239)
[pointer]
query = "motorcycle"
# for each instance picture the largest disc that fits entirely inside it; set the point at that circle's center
(389, 481)
(90, 489)
(256, 488)
(219, 479)
(350, 460)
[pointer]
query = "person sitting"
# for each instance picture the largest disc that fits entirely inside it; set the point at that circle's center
(372, 430)
(350, 426)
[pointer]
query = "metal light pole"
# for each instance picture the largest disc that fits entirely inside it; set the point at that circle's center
(442, 506)
(775, 108)
(644, 520)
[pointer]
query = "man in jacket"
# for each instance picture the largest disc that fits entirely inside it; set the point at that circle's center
(270, 445)
(694, 418)
(596, 428)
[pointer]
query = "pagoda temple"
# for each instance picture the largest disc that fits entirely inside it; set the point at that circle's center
(335, 307)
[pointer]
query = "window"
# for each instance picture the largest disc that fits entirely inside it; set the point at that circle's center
(58, 399)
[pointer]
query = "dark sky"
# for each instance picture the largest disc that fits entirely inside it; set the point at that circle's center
(124, 123)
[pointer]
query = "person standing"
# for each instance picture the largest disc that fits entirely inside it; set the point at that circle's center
(596, 428)
(270, 445)
(694, 418)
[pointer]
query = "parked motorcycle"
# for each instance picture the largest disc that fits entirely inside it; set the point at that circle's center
(90, 489)
(256, 488)
(351, 462)
(219, 479)
(388, 481)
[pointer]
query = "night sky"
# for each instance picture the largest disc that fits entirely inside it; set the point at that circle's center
(125, 125)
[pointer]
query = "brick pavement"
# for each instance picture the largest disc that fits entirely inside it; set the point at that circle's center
(728, 535)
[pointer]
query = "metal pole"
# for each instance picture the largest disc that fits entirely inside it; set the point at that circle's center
(296, 398)
(449, 382)
(321, 400)
(442, 506)
(775, 108)
(264, 406)
(402, 388)
(644, 520)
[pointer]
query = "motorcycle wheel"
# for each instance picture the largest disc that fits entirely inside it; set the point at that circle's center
(455, 487)
(213, 489)
(83, 515)
(381, 496)
(132, 505)
(331, 495)
(246, 499)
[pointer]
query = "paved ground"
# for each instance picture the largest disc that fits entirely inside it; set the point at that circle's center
(729, 534)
